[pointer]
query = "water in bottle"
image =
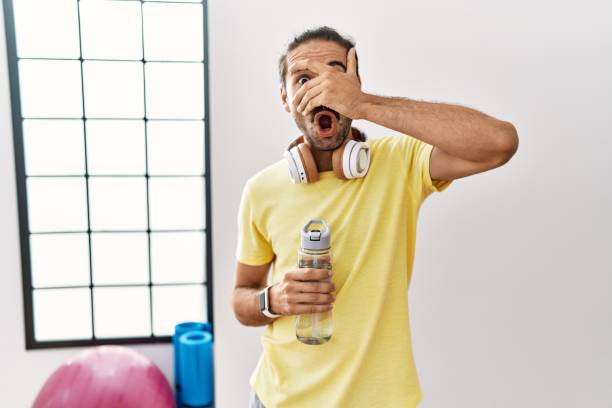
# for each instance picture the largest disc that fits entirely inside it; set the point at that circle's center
(314, 252)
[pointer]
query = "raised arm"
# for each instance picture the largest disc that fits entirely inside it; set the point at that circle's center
(465, 141)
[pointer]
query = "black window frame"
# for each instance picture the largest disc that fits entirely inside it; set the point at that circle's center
(20, 174)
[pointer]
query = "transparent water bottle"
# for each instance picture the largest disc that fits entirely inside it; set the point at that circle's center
(314, 252)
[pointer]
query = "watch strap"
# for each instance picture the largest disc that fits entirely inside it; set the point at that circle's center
(264, 303)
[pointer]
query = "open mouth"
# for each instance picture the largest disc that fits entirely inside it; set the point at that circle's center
(326, 122)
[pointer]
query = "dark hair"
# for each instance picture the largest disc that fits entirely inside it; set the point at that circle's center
(319, 33)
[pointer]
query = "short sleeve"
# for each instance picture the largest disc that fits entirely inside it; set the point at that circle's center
(252, 248)
(418, 155)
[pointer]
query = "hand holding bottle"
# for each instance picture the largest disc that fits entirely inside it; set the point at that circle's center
(303, 291)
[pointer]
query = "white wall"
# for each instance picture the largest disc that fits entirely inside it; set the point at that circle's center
(509, 300)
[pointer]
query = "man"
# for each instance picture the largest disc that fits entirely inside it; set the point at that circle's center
(368, 361)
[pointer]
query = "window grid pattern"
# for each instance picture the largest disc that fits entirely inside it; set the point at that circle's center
(197, 293)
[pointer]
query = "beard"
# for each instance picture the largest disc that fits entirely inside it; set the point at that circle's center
(308, 127)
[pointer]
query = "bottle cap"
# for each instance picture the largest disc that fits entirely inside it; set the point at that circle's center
(315, 235)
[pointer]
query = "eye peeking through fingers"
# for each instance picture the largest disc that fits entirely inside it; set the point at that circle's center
(302, 80)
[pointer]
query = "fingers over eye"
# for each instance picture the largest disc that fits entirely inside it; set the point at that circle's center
(316, 67)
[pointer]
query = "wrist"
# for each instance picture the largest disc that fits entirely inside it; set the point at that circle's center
(363, 106)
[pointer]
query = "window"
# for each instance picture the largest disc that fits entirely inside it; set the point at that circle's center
(110, 120)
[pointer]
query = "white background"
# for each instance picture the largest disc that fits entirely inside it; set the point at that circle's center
(510, 300)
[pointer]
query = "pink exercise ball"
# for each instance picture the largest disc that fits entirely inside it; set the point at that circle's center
(106, 377)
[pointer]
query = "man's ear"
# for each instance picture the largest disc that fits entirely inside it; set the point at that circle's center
(283, 95)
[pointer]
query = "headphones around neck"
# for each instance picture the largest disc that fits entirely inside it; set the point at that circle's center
(350, 160)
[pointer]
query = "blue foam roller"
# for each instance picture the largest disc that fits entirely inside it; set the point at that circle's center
(180, 329)
(196, 368)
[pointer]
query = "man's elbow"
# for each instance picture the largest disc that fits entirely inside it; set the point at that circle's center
(506, 143)
(242, 320)
(238, 307)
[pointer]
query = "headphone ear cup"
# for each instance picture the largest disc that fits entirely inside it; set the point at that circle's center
(356, 159)
(308, 161)
(296, 169)
(337, 157)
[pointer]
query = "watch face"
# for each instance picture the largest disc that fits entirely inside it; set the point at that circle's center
(262, 300)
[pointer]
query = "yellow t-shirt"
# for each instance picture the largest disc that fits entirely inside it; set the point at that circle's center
(368, 362)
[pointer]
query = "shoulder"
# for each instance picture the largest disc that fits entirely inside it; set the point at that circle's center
(269, 179)
(399, 154)
(401, 146)
(391, 147)
(393, 142)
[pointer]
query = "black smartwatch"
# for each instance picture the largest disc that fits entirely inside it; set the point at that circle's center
(264, 303)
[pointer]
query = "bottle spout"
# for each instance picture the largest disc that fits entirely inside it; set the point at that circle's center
(316, 235)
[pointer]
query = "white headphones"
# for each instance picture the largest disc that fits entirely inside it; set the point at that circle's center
(350, 160)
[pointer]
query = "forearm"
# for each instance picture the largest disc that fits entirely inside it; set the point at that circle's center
(459, 131)
(245, 302)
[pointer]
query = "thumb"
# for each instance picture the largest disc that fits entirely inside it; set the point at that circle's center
(351, 62)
